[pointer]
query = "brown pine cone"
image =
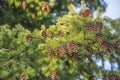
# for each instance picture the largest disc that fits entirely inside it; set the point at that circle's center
(99, 37)
(29, 38)
(56, 53)
(89, 26)
(62, 49)
(85, 13)
(60, 33)
(43, 7)
(22, 76)
(49, 50)
(24, 4)
(49, 34)
(98, 27)
(46, 7)
(43, 34)
(72, 47)
(53, 74)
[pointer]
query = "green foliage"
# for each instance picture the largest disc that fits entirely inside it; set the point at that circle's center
(23, 51)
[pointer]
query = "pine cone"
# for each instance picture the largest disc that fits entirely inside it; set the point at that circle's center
(56, 53)
(43, 34)
(49, 50)
(22, 76)
(49, 34)
(62, 49)
(99, 37)
(72, 47)
(24, 4)
(85, 13)
(29, 38)
(46, 7)
(89, 26)
(53, 74)
(98, 27)
(60, 33)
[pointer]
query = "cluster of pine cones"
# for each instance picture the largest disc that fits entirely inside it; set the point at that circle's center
(45, 6)
(105, 45)
(70, 49)
(97, 27)
(85, 13)
(49, 34)
(112, 77)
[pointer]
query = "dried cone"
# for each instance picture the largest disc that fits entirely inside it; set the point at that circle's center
(99, 37)
(72, 48)
(98, 27)
(43, 34)
(24, 4)
(89, 26)
(62, 49)
(49, 50)
(22, 76)
(29, 38)
(49, 34)
(53, 74)
(56, 53)
(43, 7)
(46, 7)
(60, 33)
(85, 13)
(33, 15)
